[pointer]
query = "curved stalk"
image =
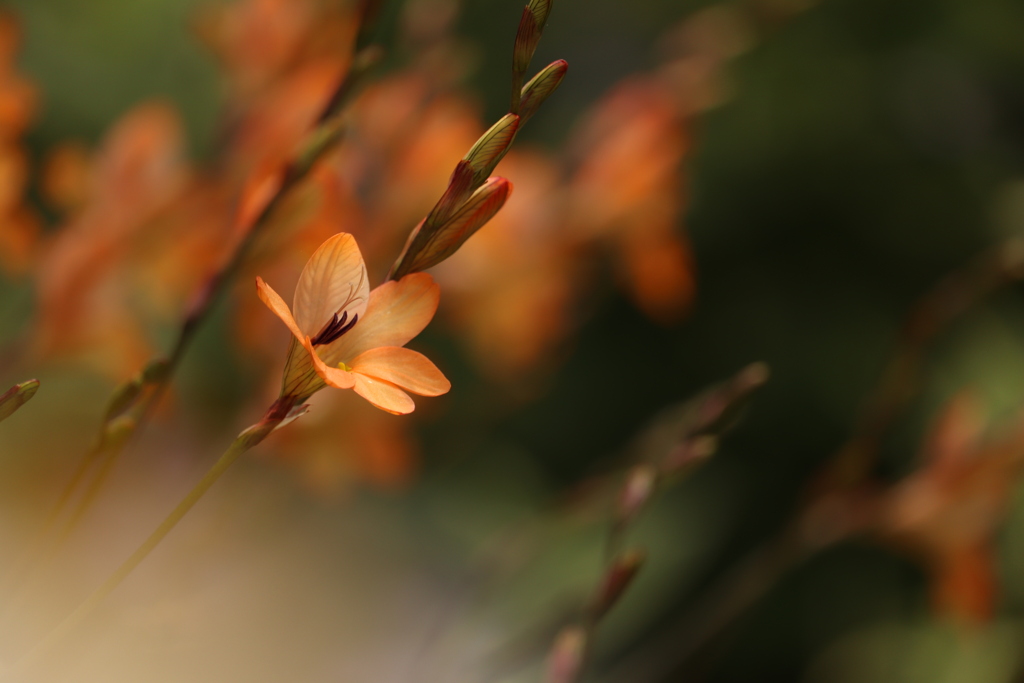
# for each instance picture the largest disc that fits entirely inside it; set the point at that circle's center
(249, 438)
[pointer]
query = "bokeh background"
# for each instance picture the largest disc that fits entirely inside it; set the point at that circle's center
(833, 161)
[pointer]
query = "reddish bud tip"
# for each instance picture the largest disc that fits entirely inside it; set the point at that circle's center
(616, 581)
(17, 396)
(566, 658)
(636, 492)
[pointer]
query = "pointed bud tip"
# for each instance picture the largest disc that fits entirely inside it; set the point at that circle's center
(156, 371)
(689, 454)
(566, 656)
(636, 492)
(500, 185)
(118, 430)
(632, 560)
(618, 578)
(17, 396)
(756, 374)
(540, 87)
(541, 10)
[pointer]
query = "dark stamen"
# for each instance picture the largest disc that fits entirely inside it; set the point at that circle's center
(334, 329)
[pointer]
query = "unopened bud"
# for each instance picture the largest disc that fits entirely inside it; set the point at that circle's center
(531, 27)
(123, 399)
(540, 88)
(720, 407)
(566, 658)
(634, 495)
(16, 397)
(118, 430)
(616, 581)
(689, 454)
(492, 146)
(429, 246)
(155, 372)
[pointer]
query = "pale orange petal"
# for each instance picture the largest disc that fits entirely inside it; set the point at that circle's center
(397, 312)
(276, 304)
(384, 395)
(335, 377)
(404, 368)
(333, 281)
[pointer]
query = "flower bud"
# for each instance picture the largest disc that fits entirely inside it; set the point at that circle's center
(540, 88)
(428, 247)
(616, 581)
(634, 495)
(566, 656)
(16, 397)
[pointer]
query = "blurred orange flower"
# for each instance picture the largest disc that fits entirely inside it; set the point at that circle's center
(19, 226)
(352, 338)
(628, 192)
(344, 441)
(86, 276)
(949, 511)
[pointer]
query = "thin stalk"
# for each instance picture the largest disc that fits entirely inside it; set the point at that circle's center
(326, 134)
(849, 468)
(720, 607)
(246, 440)
(32, 555)
(327, 131)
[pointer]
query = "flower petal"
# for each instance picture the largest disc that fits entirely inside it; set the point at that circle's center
(404, 368)
(276, 304)
(335, 377)
(384, 395)
(397, 312)
(333, 282)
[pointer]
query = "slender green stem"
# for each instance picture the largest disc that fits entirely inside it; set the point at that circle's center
(16, 573)
(246, 440)
(327, 133)
(152, 385)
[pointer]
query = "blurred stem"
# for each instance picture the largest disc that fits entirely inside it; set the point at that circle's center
(820, 522)
(732, 596)
(326, 134)
(39, 549)
(246, 440)
(90, 493)
(956, 294)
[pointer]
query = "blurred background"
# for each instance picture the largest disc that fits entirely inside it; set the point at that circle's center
(714, 184)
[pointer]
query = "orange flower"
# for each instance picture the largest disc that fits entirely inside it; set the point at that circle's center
(351, 338)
